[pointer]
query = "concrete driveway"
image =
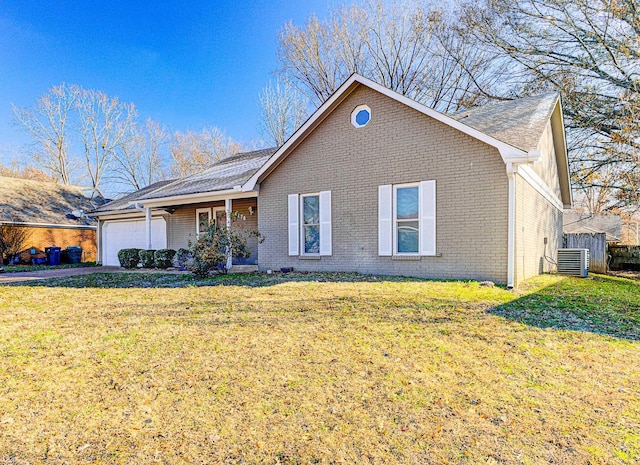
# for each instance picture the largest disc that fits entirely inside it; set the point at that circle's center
(56, 273)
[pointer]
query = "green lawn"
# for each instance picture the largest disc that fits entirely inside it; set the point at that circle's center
(304, 369)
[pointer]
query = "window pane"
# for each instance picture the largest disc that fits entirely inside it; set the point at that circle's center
(221, 218)
(311, 209)
(312, 239)
(408, 237)
(203, 221)
(407, 198)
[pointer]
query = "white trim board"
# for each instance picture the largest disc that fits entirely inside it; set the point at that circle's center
(534, 180)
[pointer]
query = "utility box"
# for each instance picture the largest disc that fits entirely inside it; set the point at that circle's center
(573, 262)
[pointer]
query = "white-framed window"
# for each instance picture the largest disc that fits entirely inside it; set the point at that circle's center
(310, 224)
(203, 218)
(360, 116)
(205, 215)
(407, 219)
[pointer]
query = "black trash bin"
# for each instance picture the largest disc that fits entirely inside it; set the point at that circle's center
(74, 254)
(53, 255)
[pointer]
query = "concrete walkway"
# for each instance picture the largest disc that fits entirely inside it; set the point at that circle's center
(55, 273)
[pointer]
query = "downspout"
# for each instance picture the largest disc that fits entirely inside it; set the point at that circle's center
(512, 169)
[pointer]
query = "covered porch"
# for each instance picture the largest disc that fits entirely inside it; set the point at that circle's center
(175, 224)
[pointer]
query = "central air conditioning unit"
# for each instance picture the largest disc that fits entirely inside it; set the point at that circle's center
(574, 262)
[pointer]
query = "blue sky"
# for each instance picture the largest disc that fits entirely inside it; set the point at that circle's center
(184, 64)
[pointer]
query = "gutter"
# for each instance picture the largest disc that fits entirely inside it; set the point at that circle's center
(47, 225)
(236, 192)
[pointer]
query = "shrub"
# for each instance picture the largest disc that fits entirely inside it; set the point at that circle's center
(146, 258)
(129, 258)
(211, 249)
(12, 239)
(163, 258)
(182, 258)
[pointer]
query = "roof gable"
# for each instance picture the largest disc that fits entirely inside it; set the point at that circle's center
(507, 151)
(514, 128)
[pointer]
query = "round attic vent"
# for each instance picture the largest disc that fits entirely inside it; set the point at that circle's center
(361, 116)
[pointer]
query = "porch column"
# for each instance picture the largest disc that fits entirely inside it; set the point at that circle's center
(148, 226)
(227, 207)
(98, 242)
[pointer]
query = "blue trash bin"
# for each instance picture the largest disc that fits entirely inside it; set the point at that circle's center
(53, 255)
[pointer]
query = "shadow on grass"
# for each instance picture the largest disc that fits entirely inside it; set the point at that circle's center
(599, 304)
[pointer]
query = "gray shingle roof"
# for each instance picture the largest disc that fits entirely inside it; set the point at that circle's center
(26, 201)
(519, 122)
(223, 175)
(123, 202)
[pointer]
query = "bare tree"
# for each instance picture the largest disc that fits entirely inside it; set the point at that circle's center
(49, 125)
(138, 161)
(282, 110)
(589, 50)
(18, 170)
(12, 239)
(403, 45)
(192, 152)
(104, 123)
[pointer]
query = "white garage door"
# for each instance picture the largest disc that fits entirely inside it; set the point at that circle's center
(117, 235)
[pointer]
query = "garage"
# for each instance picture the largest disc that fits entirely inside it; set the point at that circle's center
(128, 234)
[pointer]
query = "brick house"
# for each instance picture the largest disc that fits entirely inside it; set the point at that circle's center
(51, 213)
(377, 183)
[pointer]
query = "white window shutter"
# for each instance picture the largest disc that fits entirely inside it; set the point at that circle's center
(385, 220)
(428, 218)
(325, 223)
(294, 225)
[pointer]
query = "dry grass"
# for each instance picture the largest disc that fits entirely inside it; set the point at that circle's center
(313, 372)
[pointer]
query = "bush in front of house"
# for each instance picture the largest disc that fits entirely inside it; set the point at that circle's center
(146, 258)
(163, 258)
(211, 249)
(129, 258)
(182, 258)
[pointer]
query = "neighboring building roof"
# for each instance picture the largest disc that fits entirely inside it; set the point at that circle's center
(577, 222)
(123, 203)
(520, 122)
(37, 202)
(223, 175)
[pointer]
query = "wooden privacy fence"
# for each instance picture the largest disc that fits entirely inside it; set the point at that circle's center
(597, 245)
(625, 257)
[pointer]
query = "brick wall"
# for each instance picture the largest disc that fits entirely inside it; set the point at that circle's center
(399, 145)
(64, 237)
(536, 219)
